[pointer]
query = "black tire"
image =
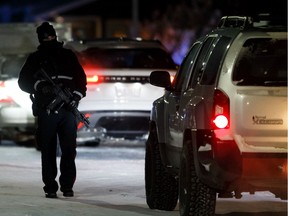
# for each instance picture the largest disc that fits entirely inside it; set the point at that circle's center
(195, 198)
(161, 187)
(280, 193)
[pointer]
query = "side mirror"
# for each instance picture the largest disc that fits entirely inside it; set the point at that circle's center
(160, 79)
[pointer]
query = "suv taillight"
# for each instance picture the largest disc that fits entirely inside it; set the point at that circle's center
(91, 75)
(92, 79)
(221, 111)
(172, 78)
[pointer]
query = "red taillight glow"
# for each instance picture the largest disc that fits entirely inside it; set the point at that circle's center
(81, 124)
(91, 75)
(221, 121)
(92, 79)
(4, 98)
(221, 110)
(172, 79)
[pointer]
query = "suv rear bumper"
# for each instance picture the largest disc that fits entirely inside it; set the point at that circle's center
(233, 170)
(113, 124)
(261, 172)
(265, 169)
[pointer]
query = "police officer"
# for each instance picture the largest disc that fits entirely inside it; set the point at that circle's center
(63, 68)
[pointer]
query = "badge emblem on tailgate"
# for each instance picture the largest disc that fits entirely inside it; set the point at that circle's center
(265, 121)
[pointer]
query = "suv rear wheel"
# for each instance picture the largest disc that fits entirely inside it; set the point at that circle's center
(195, 198)
(161, 187)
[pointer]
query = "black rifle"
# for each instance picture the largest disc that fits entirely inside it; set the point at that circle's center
(63, 96)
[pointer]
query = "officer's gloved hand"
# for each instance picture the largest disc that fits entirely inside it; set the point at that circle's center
(45, 88)
(74, 102)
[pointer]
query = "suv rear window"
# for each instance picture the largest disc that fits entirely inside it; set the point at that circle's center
(127, 58)
(262, 62)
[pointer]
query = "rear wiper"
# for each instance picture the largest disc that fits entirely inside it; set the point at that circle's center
(276, 83)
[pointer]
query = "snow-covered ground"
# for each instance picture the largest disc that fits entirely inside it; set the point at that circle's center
(110, 182)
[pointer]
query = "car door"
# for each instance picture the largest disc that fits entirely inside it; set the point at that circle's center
(189, 108)
(197, 99)
(193, 69)
(172, 99)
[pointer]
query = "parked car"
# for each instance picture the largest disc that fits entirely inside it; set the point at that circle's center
(119, 96)
(16, 120)
(221, 127)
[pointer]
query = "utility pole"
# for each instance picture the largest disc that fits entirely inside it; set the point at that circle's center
(135, 19)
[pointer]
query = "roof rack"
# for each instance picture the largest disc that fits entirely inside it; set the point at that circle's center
(260, 20)
(235, 22)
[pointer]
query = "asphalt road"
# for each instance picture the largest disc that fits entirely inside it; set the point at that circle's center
(110, 182)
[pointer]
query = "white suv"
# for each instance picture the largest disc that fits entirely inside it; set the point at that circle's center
(221, 127)
(119, 96)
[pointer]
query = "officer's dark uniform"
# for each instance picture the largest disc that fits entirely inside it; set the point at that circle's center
(63, 67)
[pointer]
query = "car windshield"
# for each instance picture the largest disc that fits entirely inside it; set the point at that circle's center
(127, 58)
(262, 62)
(10, 66)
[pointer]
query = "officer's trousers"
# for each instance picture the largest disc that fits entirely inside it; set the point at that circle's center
(62, 125)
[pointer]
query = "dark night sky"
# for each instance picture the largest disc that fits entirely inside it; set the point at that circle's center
(122, 8)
